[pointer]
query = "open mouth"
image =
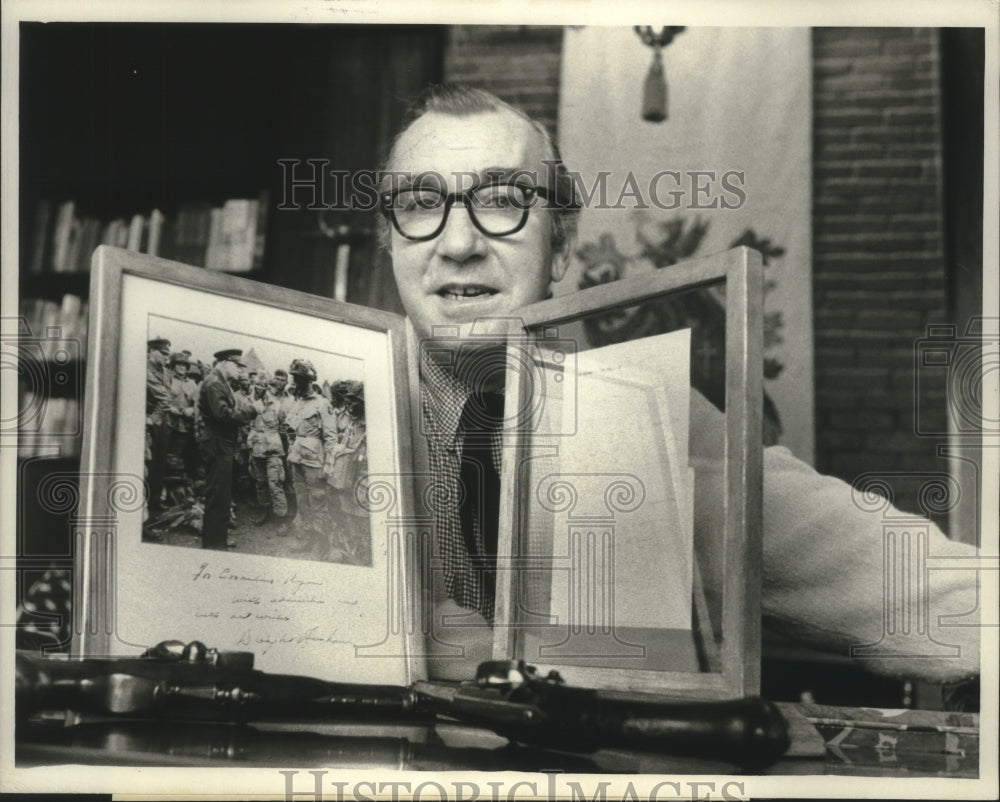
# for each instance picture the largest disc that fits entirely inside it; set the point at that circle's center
(465, 292)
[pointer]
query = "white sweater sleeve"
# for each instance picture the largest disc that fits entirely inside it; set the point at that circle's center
(848, 577)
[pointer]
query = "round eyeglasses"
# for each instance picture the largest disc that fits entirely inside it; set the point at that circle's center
(497, 209)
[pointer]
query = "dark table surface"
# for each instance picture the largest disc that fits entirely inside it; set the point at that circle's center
(825, 740)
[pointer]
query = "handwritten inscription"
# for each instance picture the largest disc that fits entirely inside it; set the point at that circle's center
(262, 601)
(269, 640)
(227, 574)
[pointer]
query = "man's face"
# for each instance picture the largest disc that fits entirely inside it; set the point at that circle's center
(463, 275)
(229, 369)
(180, 370)
(158, 357)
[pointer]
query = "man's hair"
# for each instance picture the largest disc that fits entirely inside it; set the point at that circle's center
(458, 100)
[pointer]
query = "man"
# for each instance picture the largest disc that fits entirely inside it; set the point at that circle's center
(157, 407)
(346, 468)
(192, 459)
(314, 434)
(339, 391)
(243, 483)
(223, 412)
(459, 258)
(181, 425)
(267, 455)
(279, 388)
(278, 384)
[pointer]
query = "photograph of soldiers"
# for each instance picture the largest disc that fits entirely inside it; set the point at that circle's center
(256, 461)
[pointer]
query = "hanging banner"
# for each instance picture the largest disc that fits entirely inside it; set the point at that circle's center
(729, 165)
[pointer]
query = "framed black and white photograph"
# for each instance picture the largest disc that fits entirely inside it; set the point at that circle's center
(232, 504)
(548, 399)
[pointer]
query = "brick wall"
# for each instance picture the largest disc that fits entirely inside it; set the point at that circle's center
(518, 63)
(879, 273)
(877, 225)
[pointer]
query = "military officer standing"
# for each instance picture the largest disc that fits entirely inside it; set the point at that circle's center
(223, 411)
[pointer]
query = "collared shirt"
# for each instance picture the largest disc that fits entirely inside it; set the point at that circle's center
(442, 398)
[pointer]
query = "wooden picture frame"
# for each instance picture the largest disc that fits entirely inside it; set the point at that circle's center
(347, 615)
(734, 669)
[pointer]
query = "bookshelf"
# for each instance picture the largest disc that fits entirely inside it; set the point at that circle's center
(230, 237)
(154, 136)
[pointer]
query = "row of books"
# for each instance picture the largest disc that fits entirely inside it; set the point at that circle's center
(230, 237)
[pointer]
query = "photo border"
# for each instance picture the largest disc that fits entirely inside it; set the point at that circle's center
(81, 779)
(101, 491)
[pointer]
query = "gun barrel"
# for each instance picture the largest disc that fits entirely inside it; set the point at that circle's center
(749, 732)
(182, 690)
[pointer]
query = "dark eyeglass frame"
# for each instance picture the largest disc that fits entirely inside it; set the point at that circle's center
(468, 200)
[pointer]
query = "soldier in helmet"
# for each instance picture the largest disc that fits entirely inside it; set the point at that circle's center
(267, 453)
(157, 406)
(281, 390)
(278, 386)
(346, 472)
(312, 425)
(338, 402)
(192, 461)
(181, 424)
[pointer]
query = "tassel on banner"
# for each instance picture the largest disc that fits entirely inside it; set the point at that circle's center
(654, 91)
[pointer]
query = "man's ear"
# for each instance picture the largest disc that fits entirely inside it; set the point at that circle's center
(561, 258)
